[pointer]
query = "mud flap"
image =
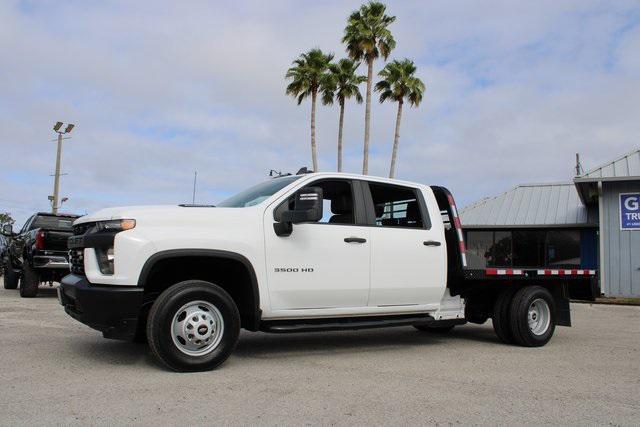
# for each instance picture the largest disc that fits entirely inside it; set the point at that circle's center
(586, 290)
(561, 298)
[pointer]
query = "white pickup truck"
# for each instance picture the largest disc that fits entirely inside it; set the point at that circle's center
(298, 253)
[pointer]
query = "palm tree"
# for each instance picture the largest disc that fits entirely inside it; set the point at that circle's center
(342, 84)
(399, 83)
(309, 75)
(367, 36)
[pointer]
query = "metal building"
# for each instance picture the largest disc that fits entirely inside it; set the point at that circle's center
(588, 225)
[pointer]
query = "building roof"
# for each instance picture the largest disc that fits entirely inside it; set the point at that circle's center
(623, 168)
(530, 205)
(627, 166)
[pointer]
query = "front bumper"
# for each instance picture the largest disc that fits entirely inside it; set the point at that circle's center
(113, 310)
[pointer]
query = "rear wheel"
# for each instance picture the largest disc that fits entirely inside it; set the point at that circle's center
(11, 278)
(501, 318)
(193, 326)
(532, 316)
(434, 329)
(29, 283)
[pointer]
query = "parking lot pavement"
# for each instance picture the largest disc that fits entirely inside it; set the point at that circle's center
(53, 370)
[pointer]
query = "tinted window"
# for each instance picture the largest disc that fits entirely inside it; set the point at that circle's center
(528, 248)
(53, 223)
(258, 193)
(479, 245)
(524, 248)
(501, 252)
(563, 248)
(396, 206)
(337, 202)
(25, 226)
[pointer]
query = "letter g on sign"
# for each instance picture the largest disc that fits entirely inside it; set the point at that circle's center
(632, 203)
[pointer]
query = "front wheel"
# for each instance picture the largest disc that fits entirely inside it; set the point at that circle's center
(532, 314)
(11, 278)
(29, 283)
(193, 326)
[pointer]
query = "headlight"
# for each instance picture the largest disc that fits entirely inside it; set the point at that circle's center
(105, 260)
(116, 225)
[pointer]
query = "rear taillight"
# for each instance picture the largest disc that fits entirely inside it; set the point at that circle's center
(40, 240)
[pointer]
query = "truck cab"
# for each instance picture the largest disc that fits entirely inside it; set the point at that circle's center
(314, 251)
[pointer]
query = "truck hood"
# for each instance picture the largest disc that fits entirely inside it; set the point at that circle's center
(163, 214)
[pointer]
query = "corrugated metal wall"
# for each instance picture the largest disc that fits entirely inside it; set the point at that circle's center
(621, 248)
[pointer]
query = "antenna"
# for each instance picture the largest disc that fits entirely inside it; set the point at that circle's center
(195, 179)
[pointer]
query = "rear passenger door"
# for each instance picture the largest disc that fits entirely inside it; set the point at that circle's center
(408, 251)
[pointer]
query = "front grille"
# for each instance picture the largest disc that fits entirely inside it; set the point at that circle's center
(76, 261)
(76, 250)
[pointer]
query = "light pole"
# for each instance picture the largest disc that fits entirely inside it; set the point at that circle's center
(56, 182)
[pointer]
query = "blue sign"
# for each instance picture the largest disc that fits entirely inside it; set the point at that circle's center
(630, 211)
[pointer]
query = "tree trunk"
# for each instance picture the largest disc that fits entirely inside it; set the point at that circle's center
(340, 124)
(396, 139)
(367, 118)
(314, 151)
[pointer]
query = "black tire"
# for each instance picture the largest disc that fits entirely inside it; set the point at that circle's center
(523, 300)
(434, 329)
(29, 282)
(11, 278)
(501, 318)
(166, 307)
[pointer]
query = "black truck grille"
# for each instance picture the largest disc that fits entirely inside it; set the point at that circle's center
(76, 261)
(76, 249)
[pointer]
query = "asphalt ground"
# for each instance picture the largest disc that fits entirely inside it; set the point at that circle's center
(54, 370)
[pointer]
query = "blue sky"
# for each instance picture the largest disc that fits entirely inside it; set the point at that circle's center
(158, 89)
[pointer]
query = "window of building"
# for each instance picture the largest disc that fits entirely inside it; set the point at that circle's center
(563, 248)
(479, 245)
(501, 251)
(528, 248)
(524, 248)
(396, 206)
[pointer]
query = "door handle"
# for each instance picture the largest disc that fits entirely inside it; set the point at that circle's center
(354, 240)
(431, 243)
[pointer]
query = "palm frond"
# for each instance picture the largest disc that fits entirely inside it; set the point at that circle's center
(308, 74)
(366, 34)
(398, 82)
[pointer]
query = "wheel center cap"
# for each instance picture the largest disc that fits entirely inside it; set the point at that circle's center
(202, 330)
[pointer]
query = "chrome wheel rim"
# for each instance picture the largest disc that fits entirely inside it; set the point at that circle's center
(197, 328)
(539, 316)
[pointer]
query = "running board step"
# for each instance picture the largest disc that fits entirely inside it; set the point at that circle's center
(342, 323)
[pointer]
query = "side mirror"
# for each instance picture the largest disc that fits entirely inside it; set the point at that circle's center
(307, 207)
(7, 230)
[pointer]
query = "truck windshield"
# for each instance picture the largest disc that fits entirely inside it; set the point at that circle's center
(53, 223)
(256, 194)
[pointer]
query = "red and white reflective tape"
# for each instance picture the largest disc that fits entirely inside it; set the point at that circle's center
(458, 226)
(545, 272)
(503, 272)
(566, 272)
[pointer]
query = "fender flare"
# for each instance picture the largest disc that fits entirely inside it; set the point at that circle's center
(208, 253)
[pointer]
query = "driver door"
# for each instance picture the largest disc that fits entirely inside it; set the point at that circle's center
(323, 264)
